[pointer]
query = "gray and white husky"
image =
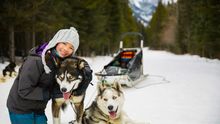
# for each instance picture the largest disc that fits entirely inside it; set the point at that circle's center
(107, 106)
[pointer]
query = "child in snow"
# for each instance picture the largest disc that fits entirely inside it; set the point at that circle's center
(33, 86)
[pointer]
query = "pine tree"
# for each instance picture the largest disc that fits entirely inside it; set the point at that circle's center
(156, 26)
(198, 27)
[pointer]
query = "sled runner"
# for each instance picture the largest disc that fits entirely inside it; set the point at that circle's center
(127, 66)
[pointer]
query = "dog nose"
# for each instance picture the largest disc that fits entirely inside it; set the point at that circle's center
(110, 107)
(63, 90)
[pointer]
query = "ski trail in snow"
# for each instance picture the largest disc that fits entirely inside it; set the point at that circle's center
(150, 81)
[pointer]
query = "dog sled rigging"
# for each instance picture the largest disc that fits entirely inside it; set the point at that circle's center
(127, 66)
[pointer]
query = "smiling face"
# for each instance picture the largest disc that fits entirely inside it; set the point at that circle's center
(110, 100)
(64, 49)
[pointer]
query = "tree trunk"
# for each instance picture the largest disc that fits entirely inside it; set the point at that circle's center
(33, 37)
(28, 43)
(12, 43)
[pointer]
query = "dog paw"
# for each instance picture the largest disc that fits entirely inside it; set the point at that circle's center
(14, 74)
(73, 122)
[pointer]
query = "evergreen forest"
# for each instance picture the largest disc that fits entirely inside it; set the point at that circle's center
(182, 27)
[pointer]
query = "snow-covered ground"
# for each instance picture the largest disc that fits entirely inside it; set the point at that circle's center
(181, 89)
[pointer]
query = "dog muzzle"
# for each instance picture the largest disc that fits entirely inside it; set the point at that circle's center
(113, 114)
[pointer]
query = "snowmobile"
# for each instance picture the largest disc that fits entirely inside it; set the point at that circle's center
(127, 65)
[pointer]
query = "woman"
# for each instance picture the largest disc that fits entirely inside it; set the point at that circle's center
(33, 86)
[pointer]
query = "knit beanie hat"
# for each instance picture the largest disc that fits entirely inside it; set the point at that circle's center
(64, 35)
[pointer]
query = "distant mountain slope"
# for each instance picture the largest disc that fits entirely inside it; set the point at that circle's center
(142, 10)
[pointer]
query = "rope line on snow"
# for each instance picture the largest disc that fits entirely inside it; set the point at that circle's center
(162, 81)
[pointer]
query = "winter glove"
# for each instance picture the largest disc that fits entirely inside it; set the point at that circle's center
(87, 78)
(87, 74)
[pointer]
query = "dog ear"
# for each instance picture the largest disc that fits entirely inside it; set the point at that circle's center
(117, 86)
(101, 87)
(81, 64)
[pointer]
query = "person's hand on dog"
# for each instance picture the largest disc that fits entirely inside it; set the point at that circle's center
(87, 72)
(87, 77)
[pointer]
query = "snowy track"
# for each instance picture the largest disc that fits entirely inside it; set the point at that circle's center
(181, 89)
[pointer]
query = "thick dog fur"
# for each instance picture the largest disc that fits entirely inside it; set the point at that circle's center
(9, 70)
(69, 77)
(107, 107)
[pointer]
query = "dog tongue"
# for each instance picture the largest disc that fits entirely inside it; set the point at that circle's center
(66, 95)
(112, 114)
